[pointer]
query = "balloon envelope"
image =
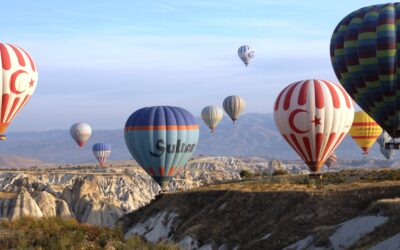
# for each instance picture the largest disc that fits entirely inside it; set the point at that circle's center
(382, 140)
(211, 116)
(18, 81)
(331, 160)
(387, 153)
(246, 54)
(364, 131)
(161, 139)
(80, 132)
(234, 106)
(101, 151)
(313, 116)
(364, 52)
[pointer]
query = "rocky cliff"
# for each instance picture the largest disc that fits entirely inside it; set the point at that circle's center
(100, 197)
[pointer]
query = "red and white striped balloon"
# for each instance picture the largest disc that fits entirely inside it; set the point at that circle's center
(313, 116)
(18, 82)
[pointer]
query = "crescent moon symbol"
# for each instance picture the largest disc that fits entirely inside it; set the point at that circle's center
(291, 121)
(13, 80)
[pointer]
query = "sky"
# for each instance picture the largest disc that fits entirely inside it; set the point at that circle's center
(99, 61)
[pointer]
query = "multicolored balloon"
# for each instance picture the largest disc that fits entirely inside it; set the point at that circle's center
(364, 131)
(332, 159)
(234, 106)
(80, 132)
(161, 139)
(19, 78)
(365, 57)
(101, 151)
(382, 140)
(313, 116)
(211, 116)
(246, 53)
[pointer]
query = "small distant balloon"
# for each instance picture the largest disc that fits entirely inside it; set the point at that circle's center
(101, 151)
(382, 140)
(246, 54)
(19, 77)
(212, 115)
(331, 161)
(234, 106)
(80, 132)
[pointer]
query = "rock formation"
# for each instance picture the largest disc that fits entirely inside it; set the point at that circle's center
(101, 197)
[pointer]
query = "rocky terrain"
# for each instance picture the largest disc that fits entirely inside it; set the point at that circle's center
(101, 196)
(350, 209)
(213, 205)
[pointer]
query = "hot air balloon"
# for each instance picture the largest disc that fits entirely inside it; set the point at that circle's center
(80, 132)
(161, 139)
(331, 160)
(246, 54)
(19, 78)
(211, 116)
(233, 106)
(382, 140)
(313, 116)
(388, 153)
(101, 151)
(364, 131)
(365, 59)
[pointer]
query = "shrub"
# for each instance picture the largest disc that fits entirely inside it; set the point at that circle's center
(245, 174)
(280, 172)
(58, 233)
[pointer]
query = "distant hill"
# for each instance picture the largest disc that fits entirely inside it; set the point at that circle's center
(12, 161)
(252, 135)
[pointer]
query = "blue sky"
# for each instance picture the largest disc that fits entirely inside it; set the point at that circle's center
(101, 60)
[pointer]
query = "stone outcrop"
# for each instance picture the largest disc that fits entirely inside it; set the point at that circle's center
(47, 203)
(101, 197)
(23, 205)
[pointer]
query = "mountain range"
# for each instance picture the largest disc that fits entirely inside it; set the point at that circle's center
(254, 134)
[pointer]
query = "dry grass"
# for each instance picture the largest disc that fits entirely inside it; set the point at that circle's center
(289, 207)
(56, 233)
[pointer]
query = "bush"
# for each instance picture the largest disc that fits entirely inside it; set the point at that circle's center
(58, 233)
(280, 172)
(246, 174)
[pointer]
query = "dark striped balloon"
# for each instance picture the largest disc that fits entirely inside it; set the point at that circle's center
(364, 52)
(161, 139)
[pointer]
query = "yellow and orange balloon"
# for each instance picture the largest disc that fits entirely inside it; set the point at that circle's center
(364, 131)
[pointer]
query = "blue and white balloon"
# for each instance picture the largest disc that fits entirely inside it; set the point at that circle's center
(246, 53)
(161, 139)
(101, 151)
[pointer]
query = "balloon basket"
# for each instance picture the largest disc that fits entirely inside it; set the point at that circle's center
(317, 176)
(3, 137)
